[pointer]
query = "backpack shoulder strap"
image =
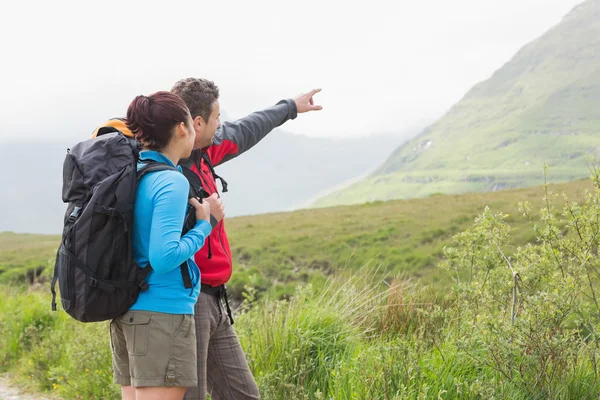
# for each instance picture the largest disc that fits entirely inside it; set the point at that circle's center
(206, 159)
(153, 166)
(195, 183)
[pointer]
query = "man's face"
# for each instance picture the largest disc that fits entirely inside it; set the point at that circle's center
(190, 136)
(205, 130)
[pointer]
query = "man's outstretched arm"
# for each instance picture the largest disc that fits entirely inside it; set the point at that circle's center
(235, 138)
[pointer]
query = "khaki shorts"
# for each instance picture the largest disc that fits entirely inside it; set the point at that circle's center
(151, 349)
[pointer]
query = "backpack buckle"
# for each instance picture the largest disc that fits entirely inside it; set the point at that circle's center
(74, 214)
(92, 282)
(144, 285)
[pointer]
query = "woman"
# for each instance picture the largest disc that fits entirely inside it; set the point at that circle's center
(154, 343)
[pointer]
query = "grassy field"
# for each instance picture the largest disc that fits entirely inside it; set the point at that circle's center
(25, 257)
(517, 319)
(273, 253)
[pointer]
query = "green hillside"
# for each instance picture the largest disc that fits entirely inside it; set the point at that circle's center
(539, 108)
(275, 252)
(521, 325)
(25, 257)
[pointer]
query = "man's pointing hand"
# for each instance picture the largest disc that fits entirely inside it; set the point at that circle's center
(305, 102)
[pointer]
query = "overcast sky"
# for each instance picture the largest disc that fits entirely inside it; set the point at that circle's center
(384, 66)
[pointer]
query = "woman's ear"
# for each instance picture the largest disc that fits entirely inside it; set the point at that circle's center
(181, 130)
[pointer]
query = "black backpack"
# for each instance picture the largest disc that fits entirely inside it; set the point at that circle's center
(97, 275)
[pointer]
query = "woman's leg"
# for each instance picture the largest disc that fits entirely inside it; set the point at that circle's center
(127, 393)
(159, 393)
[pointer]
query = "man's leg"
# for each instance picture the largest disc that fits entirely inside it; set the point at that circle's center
(228, 374)
(206, 317)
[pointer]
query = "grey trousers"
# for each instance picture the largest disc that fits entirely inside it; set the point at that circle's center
(222, 367)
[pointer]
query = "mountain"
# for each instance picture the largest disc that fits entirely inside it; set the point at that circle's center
(282, 172)
(540, 108)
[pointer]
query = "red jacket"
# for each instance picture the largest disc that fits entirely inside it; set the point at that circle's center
(231, 140)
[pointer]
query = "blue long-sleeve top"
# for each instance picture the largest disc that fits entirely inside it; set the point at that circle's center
(159, 212)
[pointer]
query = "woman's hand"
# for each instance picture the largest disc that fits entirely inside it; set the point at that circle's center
(217, 209)
(202, 209)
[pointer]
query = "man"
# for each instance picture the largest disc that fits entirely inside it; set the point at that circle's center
(222, 367)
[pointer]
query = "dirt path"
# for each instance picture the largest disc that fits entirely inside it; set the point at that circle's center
(9, 392)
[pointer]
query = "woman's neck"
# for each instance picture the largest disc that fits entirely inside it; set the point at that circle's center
(172, 155)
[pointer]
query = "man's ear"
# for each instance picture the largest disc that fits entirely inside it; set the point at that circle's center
(199, 122)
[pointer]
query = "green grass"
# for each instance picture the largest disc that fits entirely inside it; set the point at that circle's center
(26, 257)
(347, 340)
(49, 351)
(538, 109)
(398, 328)
(273, 253)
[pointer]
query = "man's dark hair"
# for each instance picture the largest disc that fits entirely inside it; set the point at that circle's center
(198, 94)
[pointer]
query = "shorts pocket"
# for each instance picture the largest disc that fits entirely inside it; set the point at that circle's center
(136, 330)
(185, 327)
